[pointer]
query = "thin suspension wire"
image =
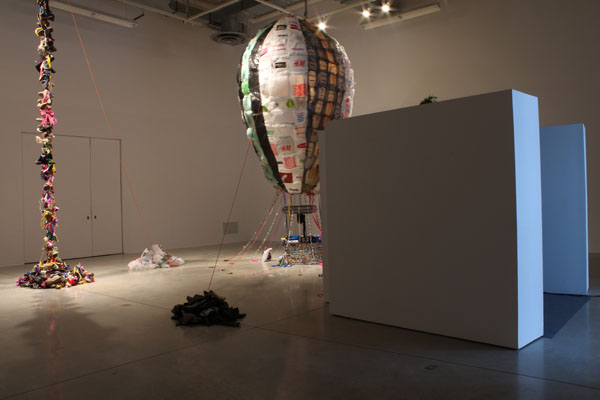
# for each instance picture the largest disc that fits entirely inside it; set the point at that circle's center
(245, 246)
(229, 216)
(110, 131)
(276, 230)
(261, 246)
(257, 235)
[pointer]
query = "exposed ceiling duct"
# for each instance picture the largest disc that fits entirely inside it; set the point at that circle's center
(233, 20)
(225, 18)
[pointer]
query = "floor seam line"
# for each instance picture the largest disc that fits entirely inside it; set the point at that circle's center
(428, 358)
(119, 365)
(131, 301)
(291, 316)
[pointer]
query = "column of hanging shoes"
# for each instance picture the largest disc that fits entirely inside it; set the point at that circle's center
(51, 271)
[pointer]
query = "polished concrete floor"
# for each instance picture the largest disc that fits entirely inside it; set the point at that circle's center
(114, 340)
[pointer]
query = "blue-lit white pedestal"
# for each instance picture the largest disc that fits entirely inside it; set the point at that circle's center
(564, 196)
(433, 220)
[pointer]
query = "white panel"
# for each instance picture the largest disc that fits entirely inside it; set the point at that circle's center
(528, 182)
(420, 214)
(564, 194)
(72, 187)
(106, 197)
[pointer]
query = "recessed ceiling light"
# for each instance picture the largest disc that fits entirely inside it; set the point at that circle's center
(385, 8)
(366, 13)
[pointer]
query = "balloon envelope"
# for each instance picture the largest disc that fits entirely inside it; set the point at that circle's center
(293, 78)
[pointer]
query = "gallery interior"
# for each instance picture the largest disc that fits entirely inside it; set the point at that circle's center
(314, 199)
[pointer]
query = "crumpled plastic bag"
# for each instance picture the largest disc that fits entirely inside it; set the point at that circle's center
(175, 261)
(158, 254)
(267, 254)
(155, 257)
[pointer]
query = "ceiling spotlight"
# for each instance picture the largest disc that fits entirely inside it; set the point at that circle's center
(322, 26)
(366, 13)
(385, 8)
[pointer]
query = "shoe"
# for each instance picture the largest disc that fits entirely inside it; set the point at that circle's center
(51, 121)
(44, 104)
(42, 50)
(48, 44)
(44, 128)
(44, 159)
(46, 15)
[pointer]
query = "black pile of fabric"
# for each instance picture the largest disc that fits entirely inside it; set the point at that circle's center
(208, 309)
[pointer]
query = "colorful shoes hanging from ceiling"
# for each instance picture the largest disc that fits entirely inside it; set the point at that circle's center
(51, 272)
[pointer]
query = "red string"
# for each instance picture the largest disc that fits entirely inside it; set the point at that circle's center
(276, 230)
(252, 237)
(229, 216)
(110, 131)
(317, 223)
(262, 225)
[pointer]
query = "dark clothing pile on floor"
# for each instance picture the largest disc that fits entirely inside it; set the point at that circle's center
(208, 309)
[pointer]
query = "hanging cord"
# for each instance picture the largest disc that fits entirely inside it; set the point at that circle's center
(229, 216)
(287, 224)
(276, 230)
(110, 131)
(245, 246)
(305, 9)
(262, 225)
(268, 234)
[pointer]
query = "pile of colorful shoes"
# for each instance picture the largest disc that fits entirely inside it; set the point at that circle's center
(51, 271)
(208, 309)
(55, 276)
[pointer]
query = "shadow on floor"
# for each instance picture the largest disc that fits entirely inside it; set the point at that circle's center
(57, 342)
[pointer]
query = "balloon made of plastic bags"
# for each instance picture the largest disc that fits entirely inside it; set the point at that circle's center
(293, 79)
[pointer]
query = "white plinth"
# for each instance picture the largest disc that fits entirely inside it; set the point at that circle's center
(564, 194)
(432, 218)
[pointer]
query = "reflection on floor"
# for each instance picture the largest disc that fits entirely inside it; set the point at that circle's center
(114, 340)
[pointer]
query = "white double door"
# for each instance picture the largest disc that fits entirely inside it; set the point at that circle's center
(88, 193)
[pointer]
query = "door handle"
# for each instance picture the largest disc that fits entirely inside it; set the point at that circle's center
(94, 217)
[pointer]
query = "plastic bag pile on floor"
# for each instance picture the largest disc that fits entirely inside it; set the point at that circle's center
(208, 309)
(55, 276)
(155, 257)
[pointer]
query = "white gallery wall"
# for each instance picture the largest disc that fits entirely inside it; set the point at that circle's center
(171, 96)
(547, 48)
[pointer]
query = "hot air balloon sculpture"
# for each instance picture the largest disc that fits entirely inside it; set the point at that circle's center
(294, 78)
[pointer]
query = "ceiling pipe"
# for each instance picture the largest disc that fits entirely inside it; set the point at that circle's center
(276, 7)
(93, 14)
(339, 10)
(158, 11)
(212, 10)
(417, 12)
(276, 13)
